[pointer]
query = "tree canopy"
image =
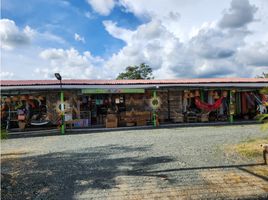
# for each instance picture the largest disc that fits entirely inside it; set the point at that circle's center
(264, 75)
(142, 71)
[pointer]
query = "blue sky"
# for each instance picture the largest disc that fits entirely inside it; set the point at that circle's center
(65, 18)
(97, 39)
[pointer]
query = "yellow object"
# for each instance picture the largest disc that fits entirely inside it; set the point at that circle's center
(191, 94)
(210, 93)
(216, 96)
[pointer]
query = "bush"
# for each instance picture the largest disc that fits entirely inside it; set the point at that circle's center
(3, 134)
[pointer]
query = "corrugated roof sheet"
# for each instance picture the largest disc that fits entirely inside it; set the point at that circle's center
(131, 82)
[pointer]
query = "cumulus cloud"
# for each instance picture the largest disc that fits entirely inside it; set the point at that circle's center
(256, 55)
(117, 32)
(4, 75)
(153, 44)
(240, 14)
(70, 63)
(213, 49)
(12, 36)
(216, 49)
(214, 43)
(103, 7)
(210, 52)
(78, 38)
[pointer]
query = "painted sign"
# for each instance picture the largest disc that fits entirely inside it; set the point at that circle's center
(112, 91)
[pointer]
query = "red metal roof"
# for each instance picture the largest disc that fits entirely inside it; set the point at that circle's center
(131, 82)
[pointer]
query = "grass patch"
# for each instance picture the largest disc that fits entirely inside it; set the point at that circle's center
(3, 134)
(250, 148)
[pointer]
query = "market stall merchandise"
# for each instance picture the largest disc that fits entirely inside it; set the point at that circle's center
(111, 121)
(94, 103)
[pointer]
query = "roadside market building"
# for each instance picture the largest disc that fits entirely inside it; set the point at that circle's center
(116, 103)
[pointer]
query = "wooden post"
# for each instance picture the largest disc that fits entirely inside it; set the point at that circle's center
(202, 95)
(168, 105)
(154, 112)
(231, 108)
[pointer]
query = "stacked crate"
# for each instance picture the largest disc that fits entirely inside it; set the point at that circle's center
(163, 108)
(175, 103)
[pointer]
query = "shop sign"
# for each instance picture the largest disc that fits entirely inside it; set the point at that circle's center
(111, 91)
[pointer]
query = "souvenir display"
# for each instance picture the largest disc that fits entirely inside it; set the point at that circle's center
(115, 107)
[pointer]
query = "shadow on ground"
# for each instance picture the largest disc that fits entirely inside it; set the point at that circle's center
(61, 175)
(57, 175)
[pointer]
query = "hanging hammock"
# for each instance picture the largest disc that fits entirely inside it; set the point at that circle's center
(208, 107)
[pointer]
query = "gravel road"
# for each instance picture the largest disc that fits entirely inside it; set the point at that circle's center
(99, 165)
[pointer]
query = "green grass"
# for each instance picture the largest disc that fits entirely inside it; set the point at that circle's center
(3, 134)
(250, 148)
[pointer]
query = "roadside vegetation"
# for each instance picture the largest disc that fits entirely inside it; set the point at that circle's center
(250, 148)
(264, 117)
(3, 134)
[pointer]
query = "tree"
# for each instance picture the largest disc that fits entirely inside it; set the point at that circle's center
(264, 75)
(136, 72)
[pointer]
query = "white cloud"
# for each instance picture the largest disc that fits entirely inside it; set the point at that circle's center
(70, 63)
(103, 7)
(240, 14)
(180, 16)
(150, 43)
(117, 32)
(78, 38)
(209, 51)
(256, 55)
(173, 41)
(12, 37)
(4, 75)
(89, 15)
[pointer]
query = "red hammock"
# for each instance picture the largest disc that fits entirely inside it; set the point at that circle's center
(208, 107)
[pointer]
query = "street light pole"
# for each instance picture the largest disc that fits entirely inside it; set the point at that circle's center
(58, 76)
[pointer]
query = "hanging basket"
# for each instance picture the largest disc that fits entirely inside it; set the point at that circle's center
(41, 98)
(191, 94)
(186, 95)
(23, 98)
(224, 93)
(216, 96)
(210, 93)
(22, 125)
(31, 97)
(15, 98)
(8, 100)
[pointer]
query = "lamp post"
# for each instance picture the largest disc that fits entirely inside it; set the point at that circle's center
(58, 76)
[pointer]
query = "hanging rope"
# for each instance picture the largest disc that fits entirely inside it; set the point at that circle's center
(257, 99)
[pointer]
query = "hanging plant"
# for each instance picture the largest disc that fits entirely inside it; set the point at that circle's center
(264, 117)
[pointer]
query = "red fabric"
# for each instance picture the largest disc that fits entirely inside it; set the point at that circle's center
(30, 102)
(244, 103)
(205, 106)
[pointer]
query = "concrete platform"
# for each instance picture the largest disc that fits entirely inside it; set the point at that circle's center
(52, 132)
